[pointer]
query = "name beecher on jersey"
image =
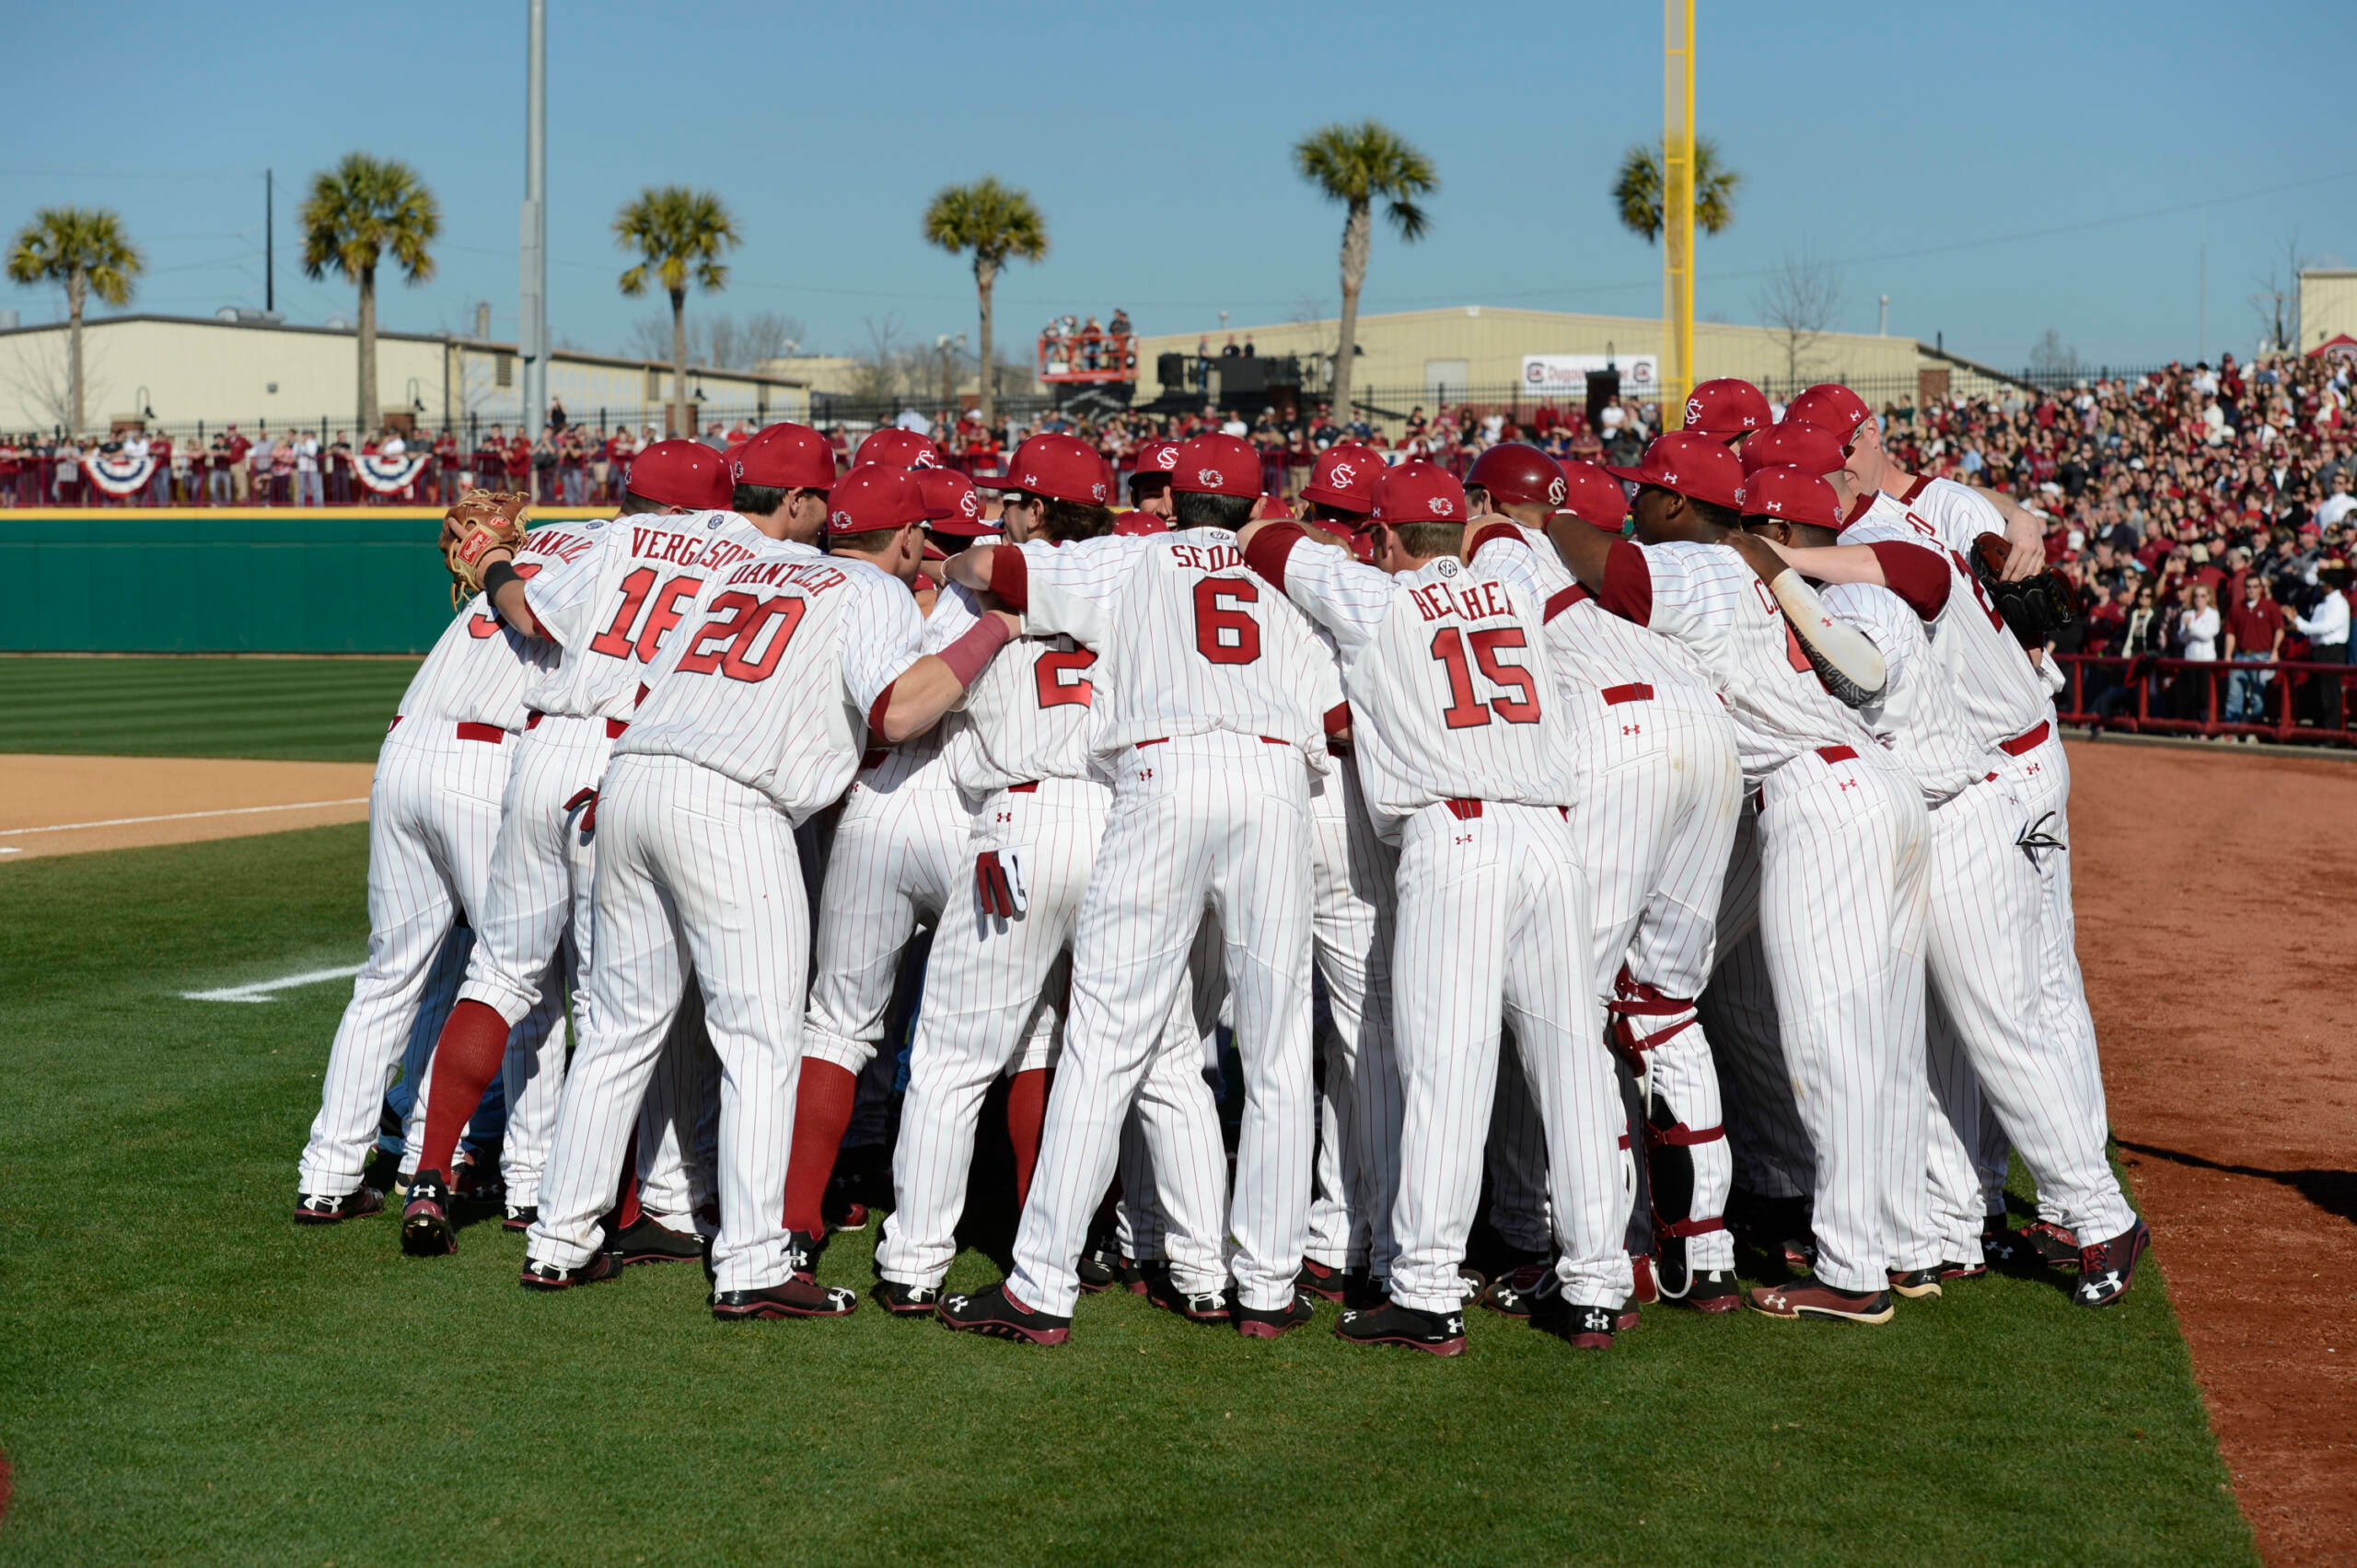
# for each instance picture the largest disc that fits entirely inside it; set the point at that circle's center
(711, 699)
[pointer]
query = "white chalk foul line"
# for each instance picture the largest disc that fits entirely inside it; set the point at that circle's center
(260, 991)
(182, 817)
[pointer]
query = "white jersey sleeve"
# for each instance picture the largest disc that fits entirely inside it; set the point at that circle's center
(1706, 598)
(611, 611)
(1918, 718)
(481, 667)
(1594, 652)
(727, 695)
(1027, 716)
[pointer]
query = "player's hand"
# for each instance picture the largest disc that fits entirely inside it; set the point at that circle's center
(1758, 554)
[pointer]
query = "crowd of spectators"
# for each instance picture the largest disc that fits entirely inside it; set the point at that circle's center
(2206, 511)
(1069, 344)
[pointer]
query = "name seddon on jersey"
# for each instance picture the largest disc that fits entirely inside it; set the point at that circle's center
(611, 608)
(728, 696)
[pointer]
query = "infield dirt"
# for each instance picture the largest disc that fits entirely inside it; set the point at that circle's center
(65, 805)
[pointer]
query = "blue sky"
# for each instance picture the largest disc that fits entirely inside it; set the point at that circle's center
(1898, 140)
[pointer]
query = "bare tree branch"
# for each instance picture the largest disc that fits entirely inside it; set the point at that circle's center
(1798, 303)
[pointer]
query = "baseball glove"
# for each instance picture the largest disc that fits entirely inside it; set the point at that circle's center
(483, 520)
(2036, 606)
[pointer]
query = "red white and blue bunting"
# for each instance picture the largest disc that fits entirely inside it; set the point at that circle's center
(118, 476)
(388, 476)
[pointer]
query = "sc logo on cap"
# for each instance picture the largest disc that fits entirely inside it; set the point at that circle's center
(1166, 459)
(1556, 491)
(1341, 473)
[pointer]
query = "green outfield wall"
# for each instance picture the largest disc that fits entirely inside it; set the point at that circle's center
(197, 580)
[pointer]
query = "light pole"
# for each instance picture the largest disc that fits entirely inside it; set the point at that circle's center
(532, 260)
(1678, 208)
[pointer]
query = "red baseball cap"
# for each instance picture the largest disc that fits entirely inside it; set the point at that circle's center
(951, 506)
(1139, 523)
(1793, 444)
(872, 498)
(784, 457)
(1832, 405)
(1417, 492)
(1696, 467)
(901, 448)
(1217, 465)
(682, 473)
(1594, 496)
(1726, 408)
(1153, 459)
(1795, 494)
(1343, 477)
(1063, 468)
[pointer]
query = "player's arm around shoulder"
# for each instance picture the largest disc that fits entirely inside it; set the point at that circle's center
(1343, 595)
(903, 690)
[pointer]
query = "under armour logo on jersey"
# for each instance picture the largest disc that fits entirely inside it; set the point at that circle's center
(1557, 490)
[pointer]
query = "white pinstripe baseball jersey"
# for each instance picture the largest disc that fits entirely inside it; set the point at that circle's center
(1919, 717)
(854, 629)
(1706, 598)
(1591, 648)
(1027, 716)
(1188, 640)
(612, 609)
(1444, 668)
(2002, 694)
(481, 667)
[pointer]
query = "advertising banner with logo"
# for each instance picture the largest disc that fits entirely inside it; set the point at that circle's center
(1565, 375)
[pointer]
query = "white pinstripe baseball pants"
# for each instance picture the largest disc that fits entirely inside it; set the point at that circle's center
(433, 823)
(540, 869)
(994, 995)
(1354, 879)
(1844, 855)
(1493, 932)
(1224, 819)
(531, 1077)
(695, 872)
(897, 858)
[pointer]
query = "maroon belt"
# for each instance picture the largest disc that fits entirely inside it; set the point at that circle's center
(1636, 692)
(1464, 810)
(1163, 739)
(1030, 788)
(614, 727)
(489, 734)
(2028, 740)
(1837, 753)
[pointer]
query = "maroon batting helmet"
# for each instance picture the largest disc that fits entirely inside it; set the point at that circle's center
(1519, 474)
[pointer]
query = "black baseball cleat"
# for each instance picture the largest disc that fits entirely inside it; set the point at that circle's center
(1515, 1293)
(520, 1216)
(549, 1276)
(1268, 1323)
(647, 1241)
(1584, 1327)
(1951, 1272)
(1322, 1280)
(794, 1297)
(383, 1171)
(475, 1181)
(1713, 1290)
(1916, 1284)
(2108, 1268)
(843, 1212)
(1811, 1298)
(1196, 1307)
(906, 1300)
(1099, 1269)
(2041, 1243)
(426, 1219)
(334, 1208)
(1435, 1333)
(999, 1315)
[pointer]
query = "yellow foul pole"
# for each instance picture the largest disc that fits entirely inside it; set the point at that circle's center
(1677, 210)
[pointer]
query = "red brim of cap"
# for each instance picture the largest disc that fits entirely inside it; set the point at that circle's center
(934, 553)
(1325, 497)
(1643, 476)
(961, 528)
(994, 482)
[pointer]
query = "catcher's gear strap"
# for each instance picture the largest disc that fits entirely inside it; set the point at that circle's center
(1683, 1228)
(1681, 1136)
(1844, 657)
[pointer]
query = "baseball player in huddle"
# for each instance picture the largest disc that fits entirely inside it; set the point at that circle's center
(1842, 852)
(1019, 748)
(608, 611)
(896, 859)
(1464, 762)
(1201, 715)
(433, 821)
(2001, 904)
(1918, 718)
(1654, 803)
(752, 722)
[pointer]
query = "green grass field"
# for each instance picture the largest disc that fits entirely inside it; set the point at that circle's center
(185, 1375)
(301, 710)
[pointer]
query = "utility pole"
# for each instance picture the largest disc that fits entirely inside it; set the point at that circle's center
(2201, 333)
(1677, 209)
(1882, 323)
(532, 304)
(269, 242)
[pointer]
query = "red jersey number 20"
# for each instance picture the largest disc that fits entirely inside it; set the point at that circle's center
(744, 636)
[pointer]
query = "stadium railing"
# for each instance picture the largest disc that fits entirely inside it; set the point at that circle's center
(2298, 704)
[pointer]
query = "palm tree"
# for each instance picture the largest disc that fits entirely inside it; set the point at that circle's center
(1636, 193)
(84, 249)
(996, 222)
(680, 236)
(357, 211)
(1354, 165)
